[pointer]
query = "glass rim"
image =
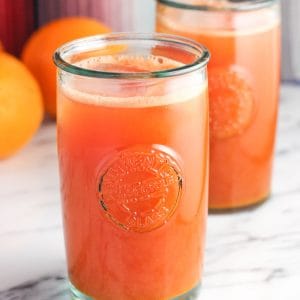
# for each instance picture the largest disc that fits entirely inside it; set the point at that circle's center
(194, 46)
(229, 5)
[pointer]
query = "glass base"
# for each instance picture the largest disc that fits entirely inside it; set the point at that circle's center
(76, 294)
(192, 294)
(246, 207)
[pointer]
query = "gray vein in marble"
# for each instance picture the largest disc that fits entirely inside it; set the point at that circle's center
(52, 287)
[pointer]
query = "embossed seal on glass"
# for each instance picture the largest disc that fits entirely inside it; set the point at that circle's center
(139, 188)
(231, 104)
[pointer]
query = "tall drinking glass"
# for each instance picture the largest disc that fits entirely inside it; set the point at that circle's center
(243, 37)
(133, 156)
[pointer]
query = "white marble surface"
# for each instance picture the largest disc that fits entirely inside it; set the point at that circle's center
(249, 255)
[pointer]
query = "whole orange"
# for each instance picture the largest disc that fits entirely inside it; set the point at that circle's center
(21, 105)
(38, 51)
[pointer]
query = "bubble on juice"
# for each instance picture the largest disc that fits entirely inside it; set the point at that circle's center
(124, 92)
(129, 63)
(231, 103)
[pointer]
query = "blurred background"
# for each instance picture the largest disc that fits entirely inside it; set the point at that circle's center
(250, 254)
(290, 40)
(18, 18)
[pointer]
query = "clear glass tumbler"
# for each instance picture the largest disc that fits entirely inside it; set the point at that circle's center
(133, 155)
(244, 40)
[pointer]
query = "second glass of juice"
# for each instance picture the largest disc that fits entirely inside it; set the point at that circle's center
(133, 156)
(244, 38)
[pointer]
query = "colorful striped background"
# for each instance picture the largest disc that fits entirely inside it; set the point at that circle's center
(18, 18)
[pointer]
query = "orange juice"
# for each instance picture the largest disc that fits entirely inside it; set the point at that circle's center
(243, 39)
(134, 176)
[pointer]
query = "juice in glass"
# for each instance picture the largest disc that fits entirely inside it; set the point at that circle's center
(133, 157)
(243, 38)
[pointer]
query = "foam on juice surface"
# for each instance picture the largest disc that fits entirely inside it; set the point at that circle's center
(132, 92)
(235, 23)
(128, 63)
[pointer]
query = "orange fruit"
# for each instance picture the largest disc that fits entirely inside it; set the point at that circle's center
(38, 50)
(231, 103)
(21, 105)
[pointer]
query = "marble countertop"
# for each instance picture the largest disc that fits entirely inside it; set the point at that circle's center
(249, 255)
